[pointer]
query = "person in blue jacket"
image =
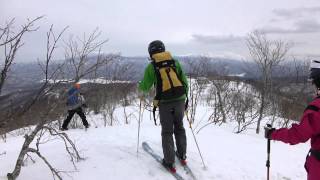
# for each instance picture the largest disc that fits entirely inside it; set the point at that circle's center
(75, 104)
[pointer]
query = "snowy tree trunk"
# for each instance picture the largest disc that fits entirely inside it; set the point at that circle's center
(24, 150)
(221, 106)
(261, 110)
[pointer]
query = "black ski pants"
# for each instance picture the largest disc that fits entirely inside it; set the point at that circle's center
(171, 118)
(80, 112)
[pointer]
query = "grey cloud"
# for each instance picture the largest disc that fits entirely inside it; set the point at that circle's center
(207, 39)
(296, 12)
(302, 26)
(307, 55)
(308, 26)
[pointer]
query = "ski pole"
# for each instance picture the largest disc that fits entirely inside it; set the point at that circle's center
(268, 155)
(140, 107)
(195, 140)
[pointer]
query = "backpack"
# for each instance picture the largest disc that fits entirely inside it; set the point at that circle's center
(169, 85)
(73, 97)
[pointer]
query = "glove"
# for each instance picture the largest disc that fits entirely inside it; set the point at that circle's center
(84, 105)
(268, 131)
(155, 103)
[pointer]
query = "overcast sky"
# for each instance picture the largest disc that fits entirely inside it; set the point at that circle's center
(212, 27)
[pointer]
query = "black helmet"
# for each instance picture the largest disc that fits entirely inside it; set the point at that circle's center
(156, 46)
(315, 72)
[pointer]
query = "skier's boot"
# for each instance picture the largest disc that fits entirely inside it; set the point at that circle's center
(182, 158)
(169, 167)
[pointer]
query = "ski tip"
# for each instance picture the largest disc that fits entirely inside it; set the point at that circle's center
(144, 144)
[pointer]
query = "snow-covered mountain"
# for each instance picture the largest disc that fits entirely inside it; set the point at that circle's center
(26, 75)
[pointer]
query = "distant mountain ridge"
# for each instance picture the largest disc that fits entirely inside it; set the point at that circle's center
(24, 75)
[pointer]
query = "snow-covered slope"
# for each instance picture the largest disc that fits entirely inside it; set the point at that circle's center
(111, 153)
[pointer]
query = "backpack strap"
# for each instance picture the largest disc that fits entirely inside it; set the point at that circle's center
(312, 107)
(158, 85)
(159, 81)
(178, 75)
(174, 67)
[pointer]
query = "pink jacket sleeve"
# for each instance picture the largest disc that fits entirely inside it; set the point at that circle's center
(299, 133)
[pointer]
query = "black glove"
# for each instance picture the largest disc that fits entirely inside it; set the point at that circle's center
(268, 131)
(84, 105)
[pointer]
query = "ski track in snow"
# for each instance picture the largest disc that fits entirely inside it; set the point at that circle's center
(110, 153)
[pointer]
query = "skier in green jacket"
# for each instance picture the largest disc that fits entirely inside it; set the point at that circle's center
(166, 74)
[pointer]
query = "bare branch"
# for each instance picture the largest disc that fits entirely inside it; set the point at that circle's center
(11, 44)
(267, 54)
(28, 27)
(39, 131)
(53, 170)
(80, 55)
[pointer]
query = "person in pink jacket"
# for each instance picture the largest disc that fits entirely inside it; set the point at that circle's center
(308, 128)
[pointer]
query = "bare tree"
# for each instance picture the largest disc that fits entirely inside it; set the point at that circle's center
(221, 87)
(126, 72)
(43, 127)
(267, 54)
(84, 57)
(218, 94)
(197, 83)
(127, 116)
(292, 90)
(243, 107)
(118, 91)
(109, 112)
(10, 43)
(84, 54)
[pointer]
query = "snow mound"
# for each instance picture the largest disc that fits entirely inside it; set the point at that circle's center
(111, 153)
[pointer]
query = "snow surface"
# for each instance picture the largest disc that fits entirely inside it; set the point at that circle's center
(100, 80)
(111, 153)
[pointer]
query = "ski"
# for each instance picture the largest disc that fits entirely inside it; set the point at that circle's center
(188, 170)
(150, 151)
